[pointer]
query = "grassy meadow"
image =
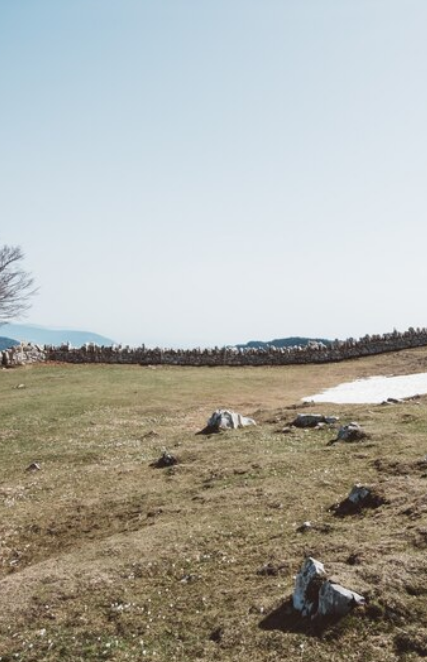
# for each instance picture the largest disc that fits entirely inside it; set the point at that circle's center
(106, 557)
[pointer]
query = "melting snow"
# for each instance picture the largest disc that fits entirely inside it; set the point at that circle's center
(373, 389)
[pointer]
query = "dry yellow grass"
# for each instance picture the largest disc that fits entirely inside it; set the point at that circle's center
(104, 556)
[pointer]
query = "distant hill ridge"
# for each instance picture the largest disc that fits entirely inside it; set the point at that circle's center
(5, 343)
(292, 341)
(44, 336)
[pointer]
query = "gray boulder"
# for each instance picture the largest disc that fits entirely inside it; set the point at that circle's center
(225, 419)
(316, 596)
(307, 586)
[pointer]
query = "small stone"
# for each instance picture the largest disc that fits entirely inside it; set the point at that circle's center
(216, 635)
(150, 435)
(165, 460)
(34, 466)
(359, 498)
(305, 526)
(351, 432)
(358, 494)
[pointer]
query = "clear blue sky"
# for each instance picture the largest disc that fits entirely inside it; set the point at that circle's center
(206, 172)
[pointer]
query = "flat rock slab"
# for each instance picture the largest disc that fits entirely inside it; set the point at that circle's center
(313, 420)
(335, 600)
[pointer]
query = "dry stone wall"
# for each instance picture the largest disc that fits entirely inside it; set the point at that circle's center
(22, 355)
(338, 351)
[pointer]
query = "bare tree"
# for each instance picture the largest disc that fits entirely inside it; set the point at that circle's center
(16, 285)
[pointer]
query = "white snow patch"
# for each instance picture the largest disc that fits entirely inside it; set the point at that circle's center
(373, 390)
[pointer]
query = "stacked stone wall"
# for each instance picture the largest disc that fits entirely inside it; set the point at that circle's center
(22, 355)
(316, 353)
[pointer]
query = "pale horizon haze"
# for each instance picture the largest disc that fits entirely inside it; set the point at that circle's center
(199, 173)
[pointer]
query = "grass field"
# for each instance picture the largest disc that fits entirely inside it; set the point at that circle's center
(105, 557)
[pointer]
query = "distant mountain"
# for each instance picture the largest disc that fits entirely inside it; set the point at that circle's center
(5, 343)
(283, 342)
(44, 336)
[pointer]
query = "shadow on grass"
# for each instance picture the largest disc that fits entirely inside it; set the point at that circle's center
(286, 619)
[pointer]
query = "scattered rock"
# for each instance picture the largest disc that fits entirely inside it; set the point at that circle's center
(34, 466)
(392, 401)
(304, 527)
(165, 460)
(286, 430)
(188, 579)
(225, 419)
(216, 635)
(313, 420)
(350, 432)
(307, 586)
(316, 596)
(150, 435)
(359, 498)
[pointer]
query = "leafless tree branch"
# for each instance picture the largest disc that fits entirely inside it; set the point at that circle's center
(16, 285)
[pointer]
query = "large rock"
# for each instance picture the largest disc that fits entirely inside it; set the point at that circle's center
(316, 596)
(307, 586)
(224, 419)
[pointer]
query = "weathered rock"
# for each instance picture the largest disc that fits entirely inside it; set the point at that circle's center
(360, 497)
(225, 419)
(34, 466)
(392, 401)
(312, 420)
(307, 586)
(351, 432)
(335, 600)
(316, 596)
(304, 527)
(165, 460)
